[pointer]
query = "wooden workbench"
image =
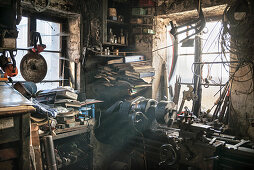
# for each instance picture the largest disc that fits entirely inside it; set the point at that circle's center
(14, 128)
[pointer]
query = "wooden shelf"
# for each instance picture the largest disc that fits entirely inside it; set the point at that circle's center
(143, 34)
(148, 16)
(116, 25)
(116, 22)
(109, 56)
(67, 132)
(143, 6)
(142, 25)
(114, 44)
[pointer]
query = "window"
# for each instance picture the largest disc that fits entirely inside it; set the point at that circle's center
(211, 52)
(22, 42)
(50, 32)
(214, 73)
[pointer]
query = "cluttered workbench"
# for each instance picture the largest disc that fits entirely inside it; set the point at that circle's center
(70, 148)
(45, 132)
(14, 128)
(65, 124)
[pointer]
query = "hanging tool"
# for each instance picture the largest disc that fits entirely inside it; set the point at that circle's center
(199, 24)
(177, 90)
(187, 95)
(36, 36)
(8, 65)
(224, 108)
(221, 99)
(33, 66)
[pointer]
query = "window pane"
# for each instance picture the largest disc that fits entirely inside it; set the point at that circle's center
(215, 73)
(52, 42)
(211, 37)
(184, 62)
(52, 60)
(183, 65)
(185, 50)
(22, 42)
(23, 30)
(50, 32)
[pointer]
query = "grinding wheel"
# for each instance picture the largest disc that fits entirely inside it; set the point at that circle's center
(33, 67)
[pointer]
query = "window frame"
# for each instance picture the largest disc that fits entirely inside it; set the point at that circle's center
(63, 28)
(203, 53)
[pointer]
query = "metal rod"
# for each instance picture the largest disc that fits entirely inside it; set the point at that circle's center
(27, 49)
(49, 152)
(203, 84)
(217, 62)
(43, 81)
(205, 53)
(196, 107)
(47, 51)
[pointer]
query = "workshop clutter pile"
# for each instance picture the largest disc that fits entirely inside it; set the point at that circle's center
(60, 106)
(63, 121)
(119, 81)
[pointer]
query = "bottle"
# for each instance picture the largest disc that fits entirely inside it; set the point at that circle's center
(110, 36)
(122, 37)
(126, 38)
(119, 40)
(108, 51)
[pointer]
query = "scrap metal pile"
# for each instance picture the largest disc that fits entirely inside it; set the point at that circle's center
(156, 137)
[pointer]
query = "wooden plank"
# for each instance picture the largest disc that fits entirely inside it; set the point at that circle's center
(71, 133)
(36, 145)
(25, 146)
(8, 153)
(16, 110)
(5, 165)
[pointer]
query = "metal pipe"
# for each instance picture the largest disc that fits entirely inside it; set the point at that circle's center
(196, 107)
(27, 49)
(43, 81)
(217, 62)
(46, 51)
(204, 53)
(204, 84)
(49, 152)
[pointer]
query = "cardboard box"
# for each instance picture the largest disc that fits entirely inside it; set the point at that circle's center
(136, 21)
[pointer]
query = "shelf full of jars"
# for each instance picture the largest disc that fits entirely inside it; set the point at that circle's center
(115, 28)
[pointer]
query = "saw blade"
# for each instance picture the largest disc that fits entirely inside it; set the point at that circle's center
(33, 67)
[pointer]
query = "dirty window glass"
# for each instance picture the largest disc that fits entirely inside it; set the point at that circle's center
(50, 32)
(22, 42)
(213, 73)
(211, 52)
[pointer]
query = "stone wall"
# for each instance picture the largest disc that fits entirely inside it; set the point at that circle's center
(242, 111)
(242, 108)
(62, 7)
(73, 49)
(173, 6)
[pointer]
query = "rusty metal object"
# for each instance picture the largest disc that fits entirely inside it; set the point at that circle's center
(33, 67)
(187, 95)
(49, 152)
